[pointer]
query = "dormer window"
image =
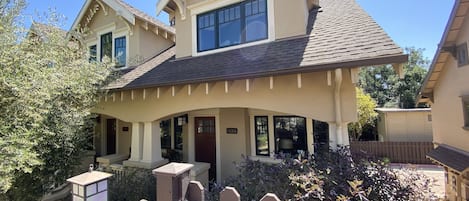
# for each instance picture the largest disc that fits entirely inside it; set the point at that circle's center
(106, 46)
(232, 25)
(120, 51)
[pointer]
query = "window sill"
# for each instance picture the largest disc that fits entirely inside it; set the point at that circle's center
(265, 159)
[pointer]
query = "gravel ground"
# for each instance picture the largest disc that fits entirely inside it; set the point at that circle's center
(434, 172)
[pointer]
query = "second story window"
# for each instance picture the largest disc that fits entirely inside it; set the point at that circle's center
(461, 52)
(232, 25)
(120, 53)
(106, 46)
(93, 53)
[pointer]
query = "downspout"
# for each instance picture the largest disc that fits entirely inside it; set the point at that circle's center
(338, 106)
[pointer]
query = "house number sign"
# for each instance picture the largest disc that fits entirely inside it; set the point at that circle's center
(231, 130)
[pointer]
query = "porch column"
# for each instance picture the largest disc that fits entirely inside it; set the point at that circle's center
(340, 127)
(152, 143)
(137, 142)
(332, 136)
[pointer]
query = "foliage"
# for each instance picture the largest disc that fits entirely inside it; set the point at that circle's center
(366, 113)
(326, 176)
(384, 85)
(132, 184)
(47, 88)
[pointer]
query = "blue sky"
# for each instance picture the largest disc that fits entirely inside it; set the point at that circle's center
(418, 23)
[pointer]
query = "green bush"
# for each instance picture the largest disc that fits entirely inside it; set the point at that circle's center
(132, 184)
(326, 176)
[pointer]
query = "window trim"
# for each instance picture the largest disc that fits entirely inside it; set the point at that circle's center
(255, 135)
(204, 8)
(116, 33)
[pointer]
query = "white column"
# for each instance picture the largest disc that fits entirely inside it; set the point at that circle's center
(151, 142)
(137, 142)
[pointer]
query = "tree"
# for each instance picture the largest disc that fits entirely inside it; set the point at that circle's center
(47, 88)
(384, 85)
(366, 113)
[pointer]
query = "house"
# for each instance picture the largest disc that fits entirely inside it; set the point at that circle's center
(404, 125)
(253, 78)
(446, 89)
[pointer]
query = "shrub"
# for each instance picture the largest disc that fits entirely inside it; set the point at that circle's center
(132, 184)
(326, 176)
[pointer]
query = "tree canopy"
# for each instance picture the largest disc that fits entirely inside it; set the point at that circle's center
(384, 85)
(366, 113)
(47, 88)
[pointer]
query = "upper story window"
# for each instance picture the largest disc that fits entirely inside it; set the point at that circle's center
(461, 54)
(106, 45)
(465, 104)
(232, 25)
(93, 53)
(120, 51)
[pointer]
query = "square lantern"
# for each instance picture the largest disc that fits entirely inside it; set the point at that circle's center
(90, 186)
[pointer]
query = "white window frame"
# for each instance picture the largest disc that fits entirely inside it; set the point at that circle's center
(196, 10)
(115, 34)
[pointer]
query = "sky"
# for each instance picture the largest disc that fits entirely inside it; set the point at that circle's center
(410, 23)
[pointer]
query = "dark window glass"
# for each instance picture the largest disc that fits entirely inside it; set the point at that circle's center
(290, 135)
(165, 127)
(236, 24)
(461, 54)
(262, 135)
(93, 53)
(177, 134)
(120, 52)
(106, 46)
(206, 32)
(229, 26)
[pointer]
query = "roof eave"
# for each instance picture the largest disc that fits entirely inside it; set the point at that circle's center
(439, 50)
(401, 58)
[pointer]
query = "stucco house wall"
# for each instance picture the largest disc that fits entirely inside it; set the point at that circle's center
(405, 125)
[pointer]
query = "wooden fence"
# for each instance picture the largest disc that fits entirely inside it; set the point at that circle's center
(195, 192)
(397, 152)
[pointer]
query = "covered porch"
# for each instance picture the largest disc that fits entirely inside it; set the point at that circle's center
(217, 122)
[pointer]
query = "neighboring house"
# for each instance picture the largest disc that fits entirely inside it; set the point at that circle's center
(404, 125)
(253, 78)
(446, 89)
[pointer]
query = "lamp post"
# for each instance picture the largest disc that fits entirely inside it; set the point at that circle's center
(90, 186)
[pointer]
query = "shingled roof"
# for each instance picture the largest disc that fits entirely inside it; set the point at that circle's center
(340, 35)
(450, 157)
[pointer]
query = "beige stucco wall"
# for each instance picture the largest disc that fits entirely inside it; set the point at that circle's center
(284, 12)
(447, 110)
(287, 12)
(405, 126)
(233, 145)
(123, 137)
(315, 99)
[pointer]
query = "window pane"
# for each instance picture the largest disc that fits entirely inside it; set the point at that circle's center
(256, 27)
(177, 134)
(93, 53)
(262, 135)
(106, 46)
(230, 29)
(290, 134)
(206, 32)
(165, 134)
(120, 52)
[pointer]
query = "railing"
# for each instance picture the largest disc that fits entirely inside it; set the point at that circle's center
(396, 152)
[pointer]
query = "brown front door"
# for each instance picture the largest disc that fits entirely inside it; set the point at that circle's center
(111, 136)
(205, 150)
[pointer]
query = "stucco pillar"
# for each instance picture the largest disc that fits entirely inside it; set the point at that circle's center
(151, 142)
(332, 136)
(137, 142)
(310, 135)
